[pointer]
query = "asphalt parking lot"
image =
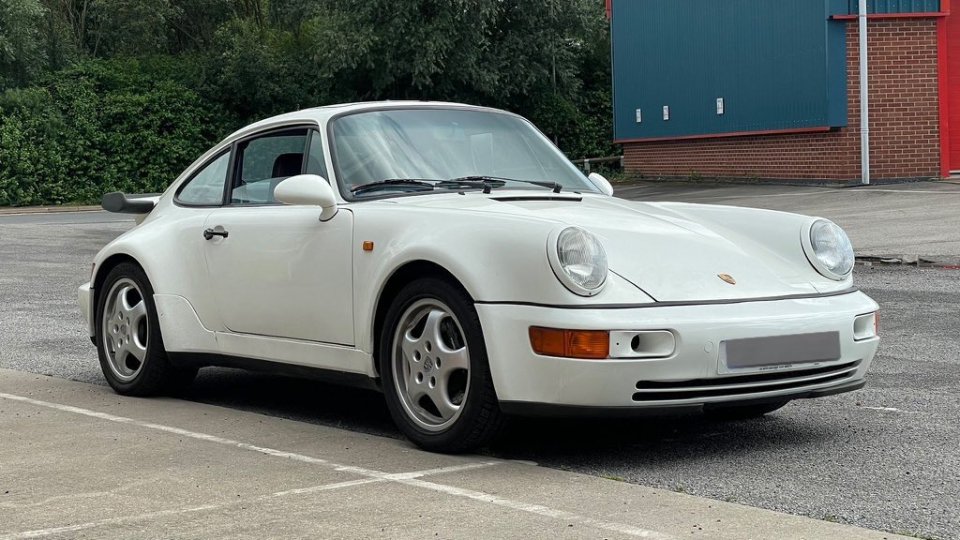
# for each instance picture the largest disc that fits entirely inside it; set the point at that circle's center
(886, 457)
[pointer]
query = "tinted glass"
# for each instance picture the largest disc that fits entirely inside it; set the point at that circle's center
(206, 186)
(264, 163)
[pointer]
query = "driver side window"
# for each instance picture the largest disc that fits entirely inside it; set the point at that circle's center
(264, 162)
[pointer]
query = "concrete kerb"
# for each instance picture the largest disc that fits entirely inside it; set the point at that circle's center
(921, 261)
(15, 210)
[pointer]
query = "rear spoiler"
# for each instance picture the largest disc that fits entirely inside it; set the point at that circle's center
(122, 203)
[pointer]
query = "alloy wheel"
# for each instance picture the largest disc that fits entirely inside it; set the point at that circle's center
(125, 329)
(431, 364)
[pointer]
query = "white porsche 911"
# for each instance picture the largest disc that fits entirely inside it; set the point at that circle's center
(452, 257)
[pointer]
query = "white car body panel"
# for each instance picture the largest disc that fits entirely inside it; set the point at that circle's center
(288, 288)
(259, 274)
(181, 327)
(296, 352)
(522, 376)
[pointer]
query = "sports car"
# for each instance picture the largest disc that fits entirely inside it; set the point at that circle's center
(452, 257)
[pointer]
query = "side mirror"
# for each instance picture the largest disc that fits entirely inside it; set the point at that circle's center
(602, 183)
(308, 189)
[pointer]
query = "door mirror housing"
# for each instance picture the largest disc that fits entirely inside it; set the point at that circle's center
(602, 183)
(308, 189)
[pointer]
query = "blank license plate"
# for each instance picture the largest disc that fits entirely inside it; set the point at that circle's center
(781, 350)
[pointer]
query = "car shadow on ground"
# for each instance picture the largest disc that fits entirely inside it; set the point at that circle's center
(550, 441)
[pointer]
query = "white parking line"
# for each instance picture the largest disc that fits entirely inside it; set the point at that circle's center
(40, 533)
(886, 409)
(538, 509)
(409, 479)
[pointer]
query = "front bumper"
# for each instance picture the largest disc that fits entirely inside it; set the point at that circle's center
(692, 377)
(85, 299)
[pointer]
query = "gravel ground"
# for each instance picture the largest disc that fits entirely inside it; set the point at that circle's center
(886, 457)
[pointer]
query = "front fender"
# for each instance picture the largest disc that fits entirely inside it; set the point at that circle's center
(497, 258)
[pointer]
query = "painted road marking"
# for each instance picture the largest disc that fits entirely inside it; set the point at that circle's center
(409, 479)
(39, 533)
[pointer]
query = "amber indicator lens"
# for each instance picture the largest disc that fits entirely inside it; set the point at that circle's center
(586, 344)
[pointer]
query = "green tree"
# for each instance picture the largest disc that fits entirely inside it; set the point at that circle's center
(121, 94)
(22, 55)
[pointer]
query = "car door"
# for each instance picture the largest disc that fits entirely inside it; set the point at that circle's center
(277, 270)
(194, 199)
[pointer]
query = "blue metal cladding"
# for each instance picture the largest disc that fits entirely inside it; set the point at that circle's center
(777, 66)
(895, 6)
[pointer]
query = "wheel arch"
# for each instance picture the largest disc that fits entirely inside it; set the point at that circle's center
(103, 270)
(402, 276)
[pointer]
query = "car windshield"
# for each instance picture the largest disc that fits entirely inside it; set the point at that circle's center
(413, 150)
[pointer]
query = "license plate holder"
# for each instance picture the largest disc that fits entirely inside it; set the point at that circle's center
(775, 352)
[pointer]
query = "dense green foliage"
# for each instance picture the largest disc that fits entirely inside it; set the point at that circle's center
(98, 95)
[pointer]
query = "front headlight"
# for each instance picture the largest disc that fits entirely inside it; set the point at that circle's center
(579, 261)
(828, 249)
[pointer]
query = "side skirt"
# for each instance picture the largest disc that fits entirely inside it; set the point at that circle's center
(199, 360)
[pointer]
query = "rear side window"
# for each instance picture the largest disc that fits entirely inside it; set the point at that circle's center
(205, 187)
(264, 162)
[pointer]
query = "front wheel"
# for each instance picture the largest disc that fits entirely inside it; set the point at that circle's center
(129, 344)
(434, 369)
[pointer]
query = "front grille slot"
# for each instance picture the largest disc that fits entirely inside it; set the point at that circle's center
(742, 384)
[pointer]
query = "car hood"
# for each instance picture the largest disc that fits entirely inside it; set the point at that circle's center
(670, 255)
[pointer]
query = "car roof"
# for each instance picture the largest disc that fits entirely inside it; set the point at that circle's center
(320, 115)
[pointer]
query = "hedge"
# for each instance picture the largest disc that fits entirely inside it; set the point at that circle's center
(102, 126)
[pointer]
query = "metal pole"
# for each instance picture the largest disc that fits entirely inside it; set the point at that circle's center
(864, 97)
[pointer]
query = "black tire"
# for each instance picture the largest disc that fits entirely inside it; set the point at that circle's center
(744, 412)
(155, 374)
(480, 419)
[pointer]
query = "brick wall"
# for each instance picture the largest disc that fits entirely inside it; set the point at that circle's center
(904, 123)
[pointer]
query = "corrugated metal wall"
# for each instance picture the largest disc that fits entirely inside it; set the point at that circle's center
(774, 63)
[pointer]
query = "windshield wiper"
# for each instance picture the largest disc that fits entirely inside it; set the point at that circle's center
(485, 182)
(488, 182)
(421, 185)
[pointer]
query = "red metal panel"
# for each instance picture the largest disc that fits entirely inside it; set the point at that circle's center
(943, 93)
(952, 78)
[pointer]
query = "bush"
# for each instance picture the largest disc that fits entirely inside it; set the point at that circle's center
(119, 125)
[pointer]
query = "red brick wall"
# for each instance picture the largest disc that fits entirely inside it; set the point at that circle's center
(904, 123)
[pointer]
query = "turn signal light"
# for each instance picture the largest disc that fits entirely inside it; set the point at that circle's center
(586, 344)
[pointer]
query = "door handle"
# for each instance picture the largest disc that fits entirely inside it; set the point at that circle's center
(210, 233)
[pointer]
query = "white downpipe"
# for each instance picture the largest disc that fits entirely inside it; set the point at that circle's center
(864, 97)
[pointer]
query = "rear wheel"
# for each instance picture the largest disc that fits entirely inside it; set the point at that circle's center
(433, 363)
(742, 412)
(129, 343)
